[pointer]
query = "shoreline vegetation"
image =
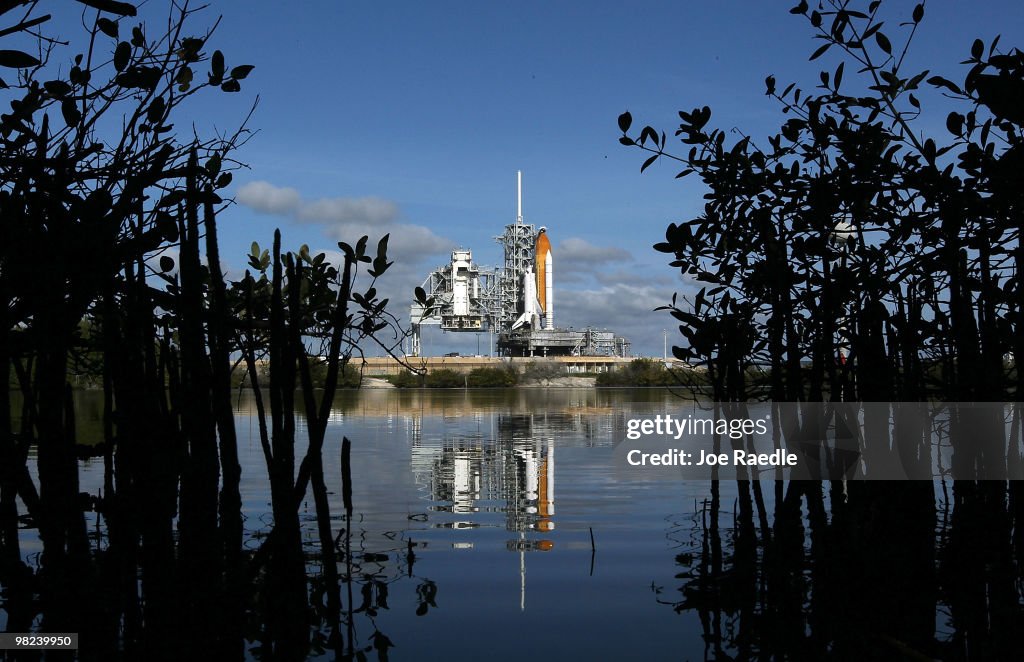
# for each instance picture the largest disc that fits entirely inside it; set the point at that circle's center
(541, 374)
(641, 372)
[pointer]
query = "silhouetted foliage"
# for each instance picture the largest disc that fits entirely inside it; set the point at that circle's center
(849, 232)
(851, 258)
(104, 207)
(131, 293)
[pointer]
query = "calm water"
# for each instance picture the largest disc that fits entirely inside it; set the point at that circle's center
(498, 492)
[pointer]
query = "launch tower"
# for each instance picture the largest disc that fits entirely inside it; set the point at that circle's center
(516, 301)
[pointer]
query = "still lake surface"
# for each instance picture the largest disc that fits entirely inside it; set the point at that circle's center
(497, 491)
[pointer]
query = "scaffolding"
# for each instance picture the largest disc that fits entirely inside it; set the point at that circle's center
(468, 297)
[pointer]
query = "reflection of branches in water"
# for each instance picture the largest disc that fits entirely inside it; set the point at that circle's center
(369, 571)
(878, 576)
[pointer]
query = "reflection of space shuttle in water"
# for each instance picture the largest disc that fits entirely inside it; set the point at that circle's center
(538, 471)
(511, 474)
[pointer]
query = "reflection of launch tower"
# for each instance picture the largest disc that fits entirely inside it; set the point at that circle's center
(516, 301)
(513, 473)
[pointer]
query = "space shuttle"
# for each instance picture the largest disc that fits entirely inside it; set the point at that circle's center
(538, 280)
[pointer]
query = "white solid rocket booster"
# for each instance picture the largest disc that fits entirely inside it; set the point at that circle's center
(549, 291)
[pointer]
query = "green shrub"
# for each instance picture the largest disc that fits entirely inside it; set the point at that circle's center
(445, 378)
(406, 379)
(492, 377)
(650, 372)
(350, 377)
(537, 370)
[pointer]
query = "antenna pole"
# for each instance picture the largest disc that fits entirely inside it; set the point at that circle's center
(519, 197)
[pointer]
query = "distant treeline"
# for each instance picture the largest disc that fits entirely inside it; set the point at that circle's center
(640, 372)
(649, 372)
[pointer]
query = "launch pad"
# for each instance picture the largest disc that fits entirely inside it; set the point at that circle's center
(516, 301)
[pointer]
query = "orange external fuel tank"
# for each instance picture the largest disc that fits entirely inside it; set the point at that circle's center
(540, 253)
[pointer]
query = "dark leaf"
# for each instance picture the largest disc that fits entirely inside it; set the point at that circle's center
(977, 48)
(837, 80)
(17, 60)
(883, 43)
(350, 254)
(70, 112)
(929, 150)
(231, 86)
(142, 77)
(119, 8)
(184, 76)
(939, 81)
(223, 180)
(821, 51)
(648, 162)
(625, 121)
(241, 71)
(166, 263)
(955, 123)
(57, 88)
(155, 112)
(217, 64)
(918, 13)
(107, 27)
(213, 165)
(122, 54)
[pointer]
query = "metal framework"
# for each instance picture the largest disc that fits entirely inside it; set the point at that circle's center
(468, 297)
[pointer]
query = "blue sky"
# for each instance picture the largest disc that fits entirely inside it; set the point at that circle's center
(413, 117)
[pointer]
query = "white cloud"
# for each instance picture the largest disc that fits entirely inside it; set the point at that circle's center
(269, 199)
(347, 219)
(637, 276)
(409, 241)
(581, 251)
(579, 261)
(348, 210)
